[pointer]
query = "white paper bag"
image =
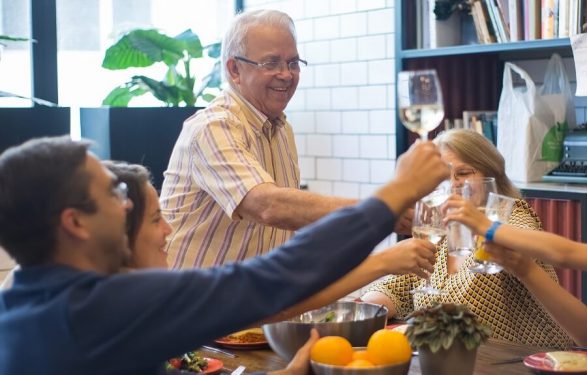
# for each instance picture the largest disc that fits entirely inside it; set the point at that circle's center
(532, 122)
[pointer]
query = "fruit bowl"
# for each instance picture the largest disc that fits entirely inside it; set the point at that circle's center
(355, 321)
(396, 369)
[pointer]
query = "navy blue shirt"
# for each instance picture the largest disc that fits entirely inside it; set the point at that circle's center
(59, 320)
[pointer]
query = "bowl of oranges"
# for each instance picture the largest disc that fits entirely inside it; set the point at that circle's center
(355, 321)
(387, 353)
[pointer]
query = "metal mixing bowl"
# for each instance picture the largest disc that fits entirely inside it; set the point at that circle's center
(355, 321)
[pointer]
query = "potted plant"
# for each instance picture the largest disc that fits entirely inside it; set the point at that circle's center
(146, 135)
(19, 124)
(447, 337)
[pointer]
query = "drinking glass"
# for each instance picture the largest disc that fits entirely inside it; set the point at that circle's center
(477, 191)
(420, 101)
(460, 240)
(427, 225)
(439, 195)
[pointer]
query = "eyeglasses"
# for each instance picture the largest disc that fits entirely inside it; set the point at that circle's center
(463, 174)
(121, 192)
(276, 66)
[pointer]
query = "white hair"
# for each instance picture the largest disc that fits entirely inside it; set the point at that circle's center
(233, 43)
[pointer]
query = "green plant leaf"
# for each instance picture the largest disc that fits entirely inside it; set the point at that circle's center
(141, 48)
(13, 38)
(208, 97)
(121, 96)
(163, 92)
(191, 43)
(214, 50)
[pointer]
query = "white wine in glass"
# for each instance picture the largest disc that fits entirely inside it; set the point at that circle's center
(427, 225)
(420, 101)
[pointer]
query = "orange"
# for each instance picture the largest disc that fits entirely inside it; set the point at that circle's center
(387, 347)
(360, 354)
(332, 350)
(360, 363)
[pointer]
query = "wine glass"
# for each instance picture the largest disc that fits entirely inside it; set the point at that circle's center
(477, 191)
(420, 101)
(427, 225)
(460, 239)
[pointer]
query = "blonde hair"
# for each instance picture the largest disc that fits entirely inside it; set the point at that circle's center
(477, 151)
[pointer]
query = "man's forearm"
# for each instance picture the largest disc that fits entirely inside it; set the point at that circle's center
(287, 208)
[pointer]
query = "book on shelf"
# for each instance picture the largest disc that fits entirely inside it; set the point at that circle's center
(483, 23)
(483, 122)
(532, 19)
(497, 21)
(563, 18)
(548, 16)
(516, 19)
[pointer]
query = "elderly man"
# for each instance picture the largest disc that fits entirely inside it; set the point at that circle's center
(71, 312)
(231, 187)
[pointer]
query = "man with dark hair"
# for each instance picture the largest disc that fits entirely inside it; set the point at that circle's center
(62, 217)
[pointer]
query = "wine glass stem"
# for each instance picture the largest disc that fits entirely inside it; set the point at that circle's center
(424, 136)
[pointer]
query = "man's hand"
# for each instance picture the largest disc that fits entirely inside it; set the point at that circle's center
(409, 256)
(404, 222)
(300, 364)
(422, 168)
(418, 171)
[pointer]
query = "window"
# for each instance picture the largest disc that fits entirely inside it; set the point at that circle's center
(15, 57)
(86, 28)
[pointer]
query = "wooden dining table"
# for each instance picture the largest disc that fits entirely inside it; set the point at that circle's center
(488, 356)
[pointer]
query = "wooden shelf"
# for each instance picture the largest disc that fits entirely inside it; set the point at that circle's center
(524, 49)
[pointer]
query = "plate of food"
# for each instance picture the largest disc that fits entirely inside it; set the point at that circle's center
(252, 338)
(569, 362)
(191, 362)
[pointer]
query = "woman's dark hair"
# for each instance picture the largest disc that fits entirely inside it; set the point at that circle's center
(38, 180)
(136, 178)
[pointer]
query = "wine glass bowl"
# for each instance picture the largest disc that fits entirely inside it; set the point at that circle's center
(427, 225)
(420, 102)
(478, 190)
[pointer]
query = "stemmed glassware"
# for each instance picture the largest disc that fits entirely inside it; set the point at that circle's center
(460, 240)
(427, 224)
(477, 191)
(420, 101)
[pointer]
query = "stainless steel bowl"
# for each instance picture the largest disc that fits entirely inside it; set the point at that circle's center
(354, 320)
(399, 369)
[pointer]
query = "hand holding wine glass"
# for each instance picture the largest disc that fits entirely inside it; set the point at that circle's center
(420, 101)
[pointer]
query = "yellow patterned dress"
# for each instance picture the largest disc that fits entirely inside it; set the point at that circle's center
(499, 300)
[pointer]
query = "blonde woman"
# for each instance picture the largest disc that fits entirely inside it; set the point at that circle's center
(499, 300)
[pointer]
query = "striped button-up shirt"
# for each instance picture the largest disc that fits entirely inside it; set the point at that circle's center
(222, 153)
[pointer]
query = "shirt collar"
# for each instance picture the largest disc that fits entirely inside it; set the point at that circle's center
(260, 122)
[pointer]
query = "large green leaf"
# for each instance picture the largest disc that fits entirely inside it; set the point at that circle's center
(191, 43)
(121, 96)
(140, 48)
